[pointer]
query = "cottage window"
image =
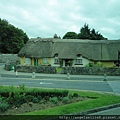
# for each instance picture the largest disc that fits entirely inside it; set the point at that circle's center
(78, 62)
(56, 59)
(45, 60)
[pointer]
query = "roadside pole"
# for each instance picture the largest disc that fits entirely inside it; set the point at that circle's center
(33, 75)
(16, 73)
(68, 76)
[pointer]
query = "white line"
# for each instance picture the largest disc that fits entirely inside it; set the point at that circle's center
(45, 83)
(27, 82)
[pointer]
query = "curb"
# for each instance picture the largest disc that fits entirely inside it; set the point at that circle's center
(97, 109)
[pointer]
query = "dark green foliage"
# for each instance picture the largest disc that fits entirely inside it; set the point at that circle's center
(16, 96)
(22, 86)
(12, 39)
(18, 100)
(42, 101)
(70, 35)
(54, 100)
(35, 100)
(29, 98)
(85, 33)
(65, 99)
(4, 107)
(47, 98)
(75, 95)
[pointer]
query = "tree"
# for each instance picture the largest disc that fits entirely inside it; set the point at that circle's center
(86, 33)
(12, 39)
(70, 35)
(56, 36)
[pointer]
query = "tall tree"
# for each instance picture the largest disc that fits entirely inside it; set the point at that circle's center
(12, 39)
(87, 33)
(70, 35)
(84, 32)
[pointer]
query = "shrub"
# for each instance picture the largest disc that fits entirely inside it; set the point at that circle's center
(65, 99)
(54, 100)
(1, 99)
(35, 100)
(46, 98)
(70, 96)
(4, 107)
(19, 100)
(39, 98)
(75, 95)
(43, 101)
(22, 87)
(29, 98)
(10, 100)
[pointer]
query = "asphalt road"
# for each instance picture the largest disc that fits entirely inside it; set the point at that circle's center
(81, 84)
(113, 111)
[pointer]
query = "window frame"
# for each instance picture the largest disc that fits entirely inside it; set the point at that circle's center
(56, 59)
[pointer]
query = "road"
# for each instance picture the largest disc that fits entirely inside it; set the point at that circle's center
(113, 111)
(78, 83)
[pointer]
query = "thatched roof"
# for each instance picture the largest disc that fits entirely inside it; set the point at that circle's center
(69, 48)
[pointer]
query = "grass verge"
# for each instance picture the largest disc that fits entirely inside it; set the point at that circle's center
(99, 101)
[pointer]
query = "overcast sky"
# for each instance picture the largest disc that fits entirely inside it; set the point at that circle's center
(44, 18)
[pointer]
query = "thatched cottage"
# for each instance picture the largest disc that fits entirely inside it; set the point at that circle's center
(72, 52)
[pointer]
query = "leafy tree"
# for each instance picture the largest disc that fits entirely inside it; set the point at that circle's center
(70, 35)
(86, 33)
(12, 39)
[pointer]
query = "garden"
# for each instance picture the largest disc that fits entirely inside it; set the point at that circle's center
(23, 100)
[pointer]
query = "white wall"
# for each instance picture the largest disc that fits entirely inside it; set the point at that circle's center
(52, 63)
(84, 62)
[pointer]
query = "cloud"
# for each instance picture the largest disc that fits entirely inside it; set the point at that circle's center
(43, 18)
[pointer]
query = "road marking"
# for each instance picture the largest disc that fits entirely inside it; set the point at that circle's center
(45, 83)
(27, 82)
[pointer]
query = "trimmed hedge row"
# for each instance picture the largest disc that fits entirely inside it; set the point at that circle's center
(12, 91)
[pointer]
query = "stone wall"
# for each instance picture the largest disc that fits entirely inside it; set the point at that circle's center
(71, 70)
(37, 69)
(92, 71)
(8, 58)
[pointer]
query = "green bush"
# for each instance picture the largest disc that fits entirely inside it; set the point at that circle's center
(75, 95)
(42, 101)
(54, 100)
(35, 100)
(18, 100)
(65, 99)
(70, 96)
(1, 99)
(22, 87)
(10, 100)
(29, 98)
(4, 107)
(39, 98)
